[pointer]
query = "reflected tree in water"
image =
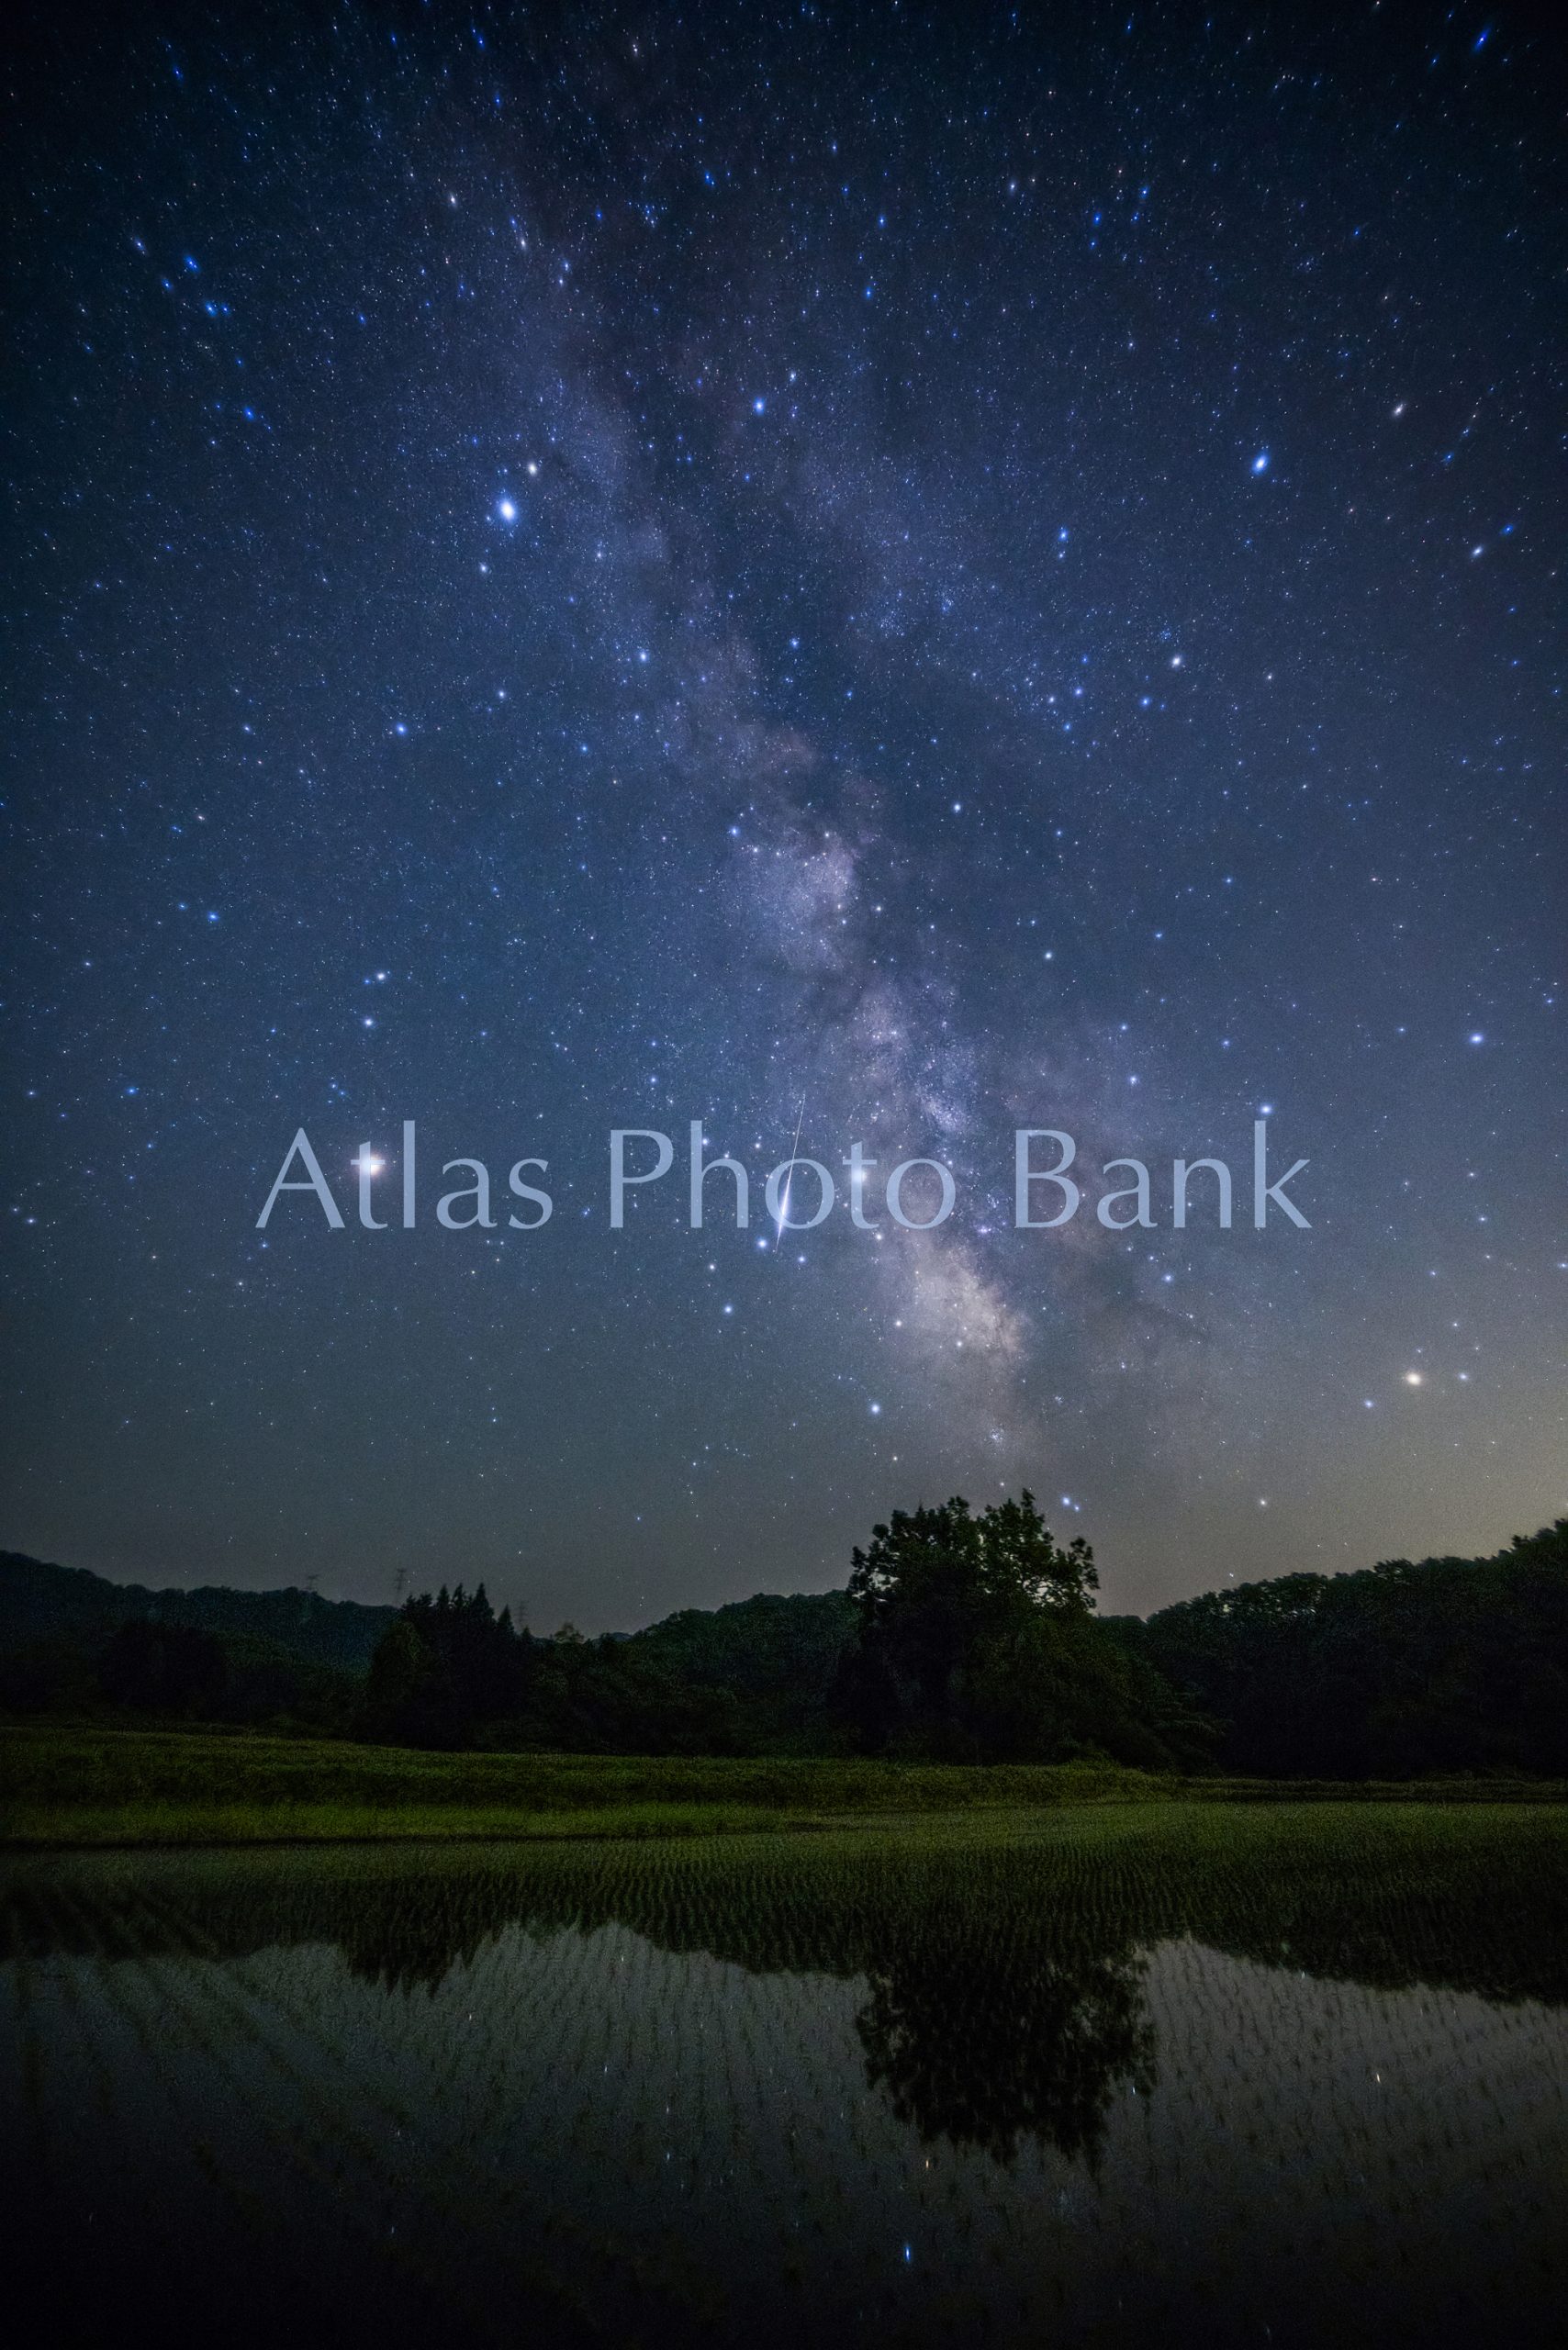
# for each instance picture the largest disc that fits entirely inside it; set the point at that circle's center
(1003, 1969)
(991, 2047)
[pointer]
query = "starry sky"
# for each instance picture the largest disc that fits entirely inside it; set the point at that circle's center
(887, 574)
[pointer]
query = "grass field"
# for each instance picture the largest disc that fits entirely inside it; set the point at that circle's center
(90, 1787)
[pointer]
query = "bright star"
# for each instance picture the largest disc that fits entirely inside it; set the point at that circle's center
(507, 510)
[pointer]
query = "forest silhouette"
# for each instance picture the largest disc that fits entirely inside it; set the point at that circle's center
(965, 1637)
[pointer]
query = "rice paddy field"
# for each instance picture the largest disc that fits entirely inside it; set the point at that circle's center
(1096, 2072)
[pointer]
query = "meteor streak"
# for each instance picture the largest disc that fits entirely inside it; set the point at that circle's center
(784, 1196)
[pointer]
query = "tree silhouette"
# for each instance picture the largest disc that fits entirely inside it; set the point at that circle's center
(976, 1639)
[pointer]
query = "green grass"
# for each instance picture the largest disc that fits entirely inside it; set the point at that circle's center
(94, 1787)
(111, 1786)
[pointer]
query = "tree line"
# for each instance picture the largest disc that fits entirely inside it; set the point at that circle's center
(1448, 1665)
(962, 1636)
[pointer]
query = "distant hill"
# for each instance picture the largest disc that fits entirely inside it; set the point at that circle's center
(768, 1647)
(39, 1603)
(777, 1655)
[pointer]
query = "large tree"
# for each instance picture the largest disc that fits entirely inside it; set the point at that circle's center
(934, 1583)
(975, 1636)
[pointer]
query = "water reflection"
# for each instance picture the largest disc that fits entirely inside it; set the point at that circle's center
(1014, 2055)
(1003, 1962)
(988, 2056)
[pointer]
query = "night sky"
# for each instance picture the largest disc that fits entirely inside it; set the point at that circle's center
(901, 572)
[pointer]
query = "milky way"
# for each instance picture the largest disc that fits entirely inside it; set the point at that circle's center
(635, 567)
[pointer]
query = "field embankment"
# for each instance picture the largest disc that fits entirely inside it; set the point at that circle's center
(85, 1787)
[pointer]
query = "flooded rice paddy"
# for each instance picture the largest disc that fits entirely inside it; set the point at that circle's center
(1291, 2075)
